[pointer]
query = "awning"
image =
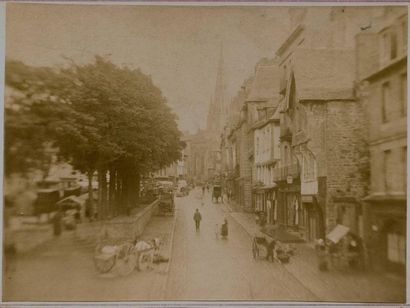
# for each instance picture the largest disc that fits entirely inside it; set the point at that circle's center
(337, 233)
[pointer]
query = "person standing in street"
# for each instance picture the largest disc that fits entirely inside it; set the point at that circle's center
(197, 219)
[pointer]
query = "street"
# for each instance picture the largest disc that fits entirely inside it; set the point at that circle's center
(204, 267)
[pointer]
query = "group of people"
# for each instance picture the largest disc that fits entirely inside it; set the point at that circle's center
(329, 252)
(224, 227)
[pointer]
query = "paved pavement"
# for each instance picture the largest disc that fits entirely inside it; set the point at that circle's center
(63, 270)
(336, 285)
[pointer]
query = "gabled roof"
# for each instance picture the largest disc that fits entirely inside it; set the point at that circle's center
(265, 86)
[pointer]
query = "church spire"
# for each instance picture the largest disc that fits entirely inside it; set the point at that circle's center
(219, 99)
(217, 112)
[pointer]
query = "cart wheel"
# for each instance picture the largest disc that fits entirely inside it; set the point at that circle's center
(144, 261)
(126, 265)
(104, 265)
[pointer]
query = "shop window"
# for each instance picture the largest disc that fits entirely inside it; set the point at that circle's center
(396, 248)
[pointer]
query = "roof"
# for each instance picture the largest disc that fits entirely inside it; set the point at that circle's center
(324, 74)
(265, 85)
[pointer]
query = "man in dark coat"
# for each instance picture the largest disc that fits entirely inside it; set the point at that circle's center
(197, 219)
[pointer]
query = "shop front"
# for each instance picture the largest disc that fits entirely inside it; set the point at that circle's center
(386, 235)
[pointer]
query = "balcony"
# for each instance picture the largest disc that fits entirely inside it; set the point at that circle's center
(281, 174)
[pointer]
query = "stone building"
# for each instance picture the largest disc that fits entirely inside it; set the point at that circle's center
(382, 71)
(236, 144)
(320, 183)
(264, 119)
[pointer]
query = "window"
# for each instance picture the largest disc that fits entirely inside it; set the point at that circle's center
(393, 45)
(396, 248)
(257, 145)
(385, 47)
(404, 36)
(403, 94)
(385, 100)
(386, 170)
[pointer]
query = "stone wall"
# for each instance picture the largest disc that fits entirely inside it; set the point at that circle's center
(345, 142)
(120, 227)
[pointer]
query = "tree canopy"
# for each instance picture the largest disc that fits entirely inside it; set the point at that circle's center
(95, 114)
(99, 116)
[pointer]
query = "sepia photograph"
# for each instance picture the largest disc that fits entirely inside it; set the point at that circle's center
(204, 152)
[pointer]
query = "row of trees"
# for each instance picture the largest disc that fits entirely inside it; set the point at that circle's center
(101, 118)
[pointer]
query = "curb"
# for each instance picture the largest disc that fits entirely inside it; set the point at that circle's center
(171, 241)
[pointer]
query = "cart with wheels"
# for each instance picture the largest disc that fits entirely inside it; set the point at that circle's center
(259, 247)
(123, 257)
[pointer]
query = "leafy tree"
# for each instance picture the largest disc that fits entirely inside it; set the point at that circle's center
(101, 117)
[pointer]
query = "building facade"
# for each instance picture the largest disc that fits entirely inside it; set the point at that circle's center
(323, 134)
(382, 63)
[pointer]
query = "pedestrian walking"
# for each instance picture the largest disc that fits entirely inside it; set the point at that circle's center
(203, 190)
(197, 219)
(224, 229)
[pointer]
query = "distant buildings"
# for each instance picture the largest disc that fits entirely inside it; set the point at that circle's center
(204, 159)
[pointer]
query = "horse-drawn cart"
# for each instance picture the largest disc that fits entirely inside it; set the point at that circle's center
(124, 256)
(216, 193)
(166, 203)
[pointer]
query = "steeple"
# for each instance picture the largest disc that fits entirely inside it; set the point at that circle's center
(218, 102)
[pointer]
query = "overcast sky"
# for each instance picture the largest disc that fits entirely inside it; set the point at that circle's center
(177, 46)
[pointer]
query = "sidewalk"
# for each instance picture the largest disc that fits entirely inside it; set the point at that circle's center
(335, 285)
(53, 273)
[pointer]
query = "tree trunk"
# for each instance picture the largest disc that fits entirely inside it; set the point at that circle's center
(138, 186)
(90, 205)
(124, 192)
(111, 196)
(118, 192)
(104, 193)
